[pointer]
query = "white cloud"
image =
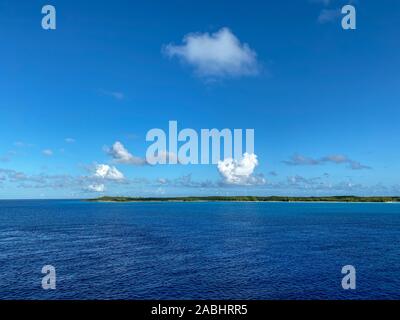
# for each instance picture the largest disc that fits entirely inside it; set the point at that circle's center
(240, 172)
(96, 188)
(121, 155)
(47, 152)
(107, 172)
(220, 54)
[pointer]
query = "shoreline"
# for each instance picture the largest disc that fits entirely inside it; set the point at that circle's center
(233, 201)
(241, 198)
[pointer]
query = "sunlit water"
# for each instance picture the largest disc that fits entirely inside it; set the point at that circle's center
(198, 250)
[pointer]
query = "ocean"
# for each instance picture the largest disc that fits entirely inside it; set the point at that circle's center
(204, 250)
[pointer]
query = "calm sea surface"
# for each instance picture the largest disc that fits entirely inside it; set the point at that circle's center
(199, 250)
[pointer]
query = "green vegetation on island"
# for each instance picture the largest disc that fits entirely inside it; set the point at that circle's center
(248, 199)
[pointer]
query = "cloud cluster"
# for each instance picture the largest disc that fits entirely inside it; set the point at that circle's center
(299, 160)
(104, 171)
(321, 185)
(39, 181)
(102, 176)
(216, 55)
(95, 182)
(240, 172)
(121, 155)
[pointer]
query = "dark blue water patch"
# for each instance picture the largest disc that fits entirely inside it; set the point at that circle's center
(199, 250)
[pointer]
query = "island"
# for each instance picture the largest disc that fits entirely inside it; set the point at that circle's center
(248, 199)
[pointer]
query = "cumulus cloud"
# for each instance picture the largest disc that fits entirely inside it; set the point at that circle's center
(298, 160)
(216, 55)
(240, 172)
(121, 155)
(107, 172)
(96, 188)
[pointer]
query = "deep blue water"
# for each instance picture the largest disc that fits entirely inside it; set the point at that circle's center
(198, 250)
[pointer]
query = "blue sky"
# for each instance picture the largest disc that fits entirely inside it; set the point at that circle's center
(323, 101)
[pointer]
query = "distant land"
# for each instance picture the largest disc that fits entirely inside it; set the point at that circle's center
(248, 199)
